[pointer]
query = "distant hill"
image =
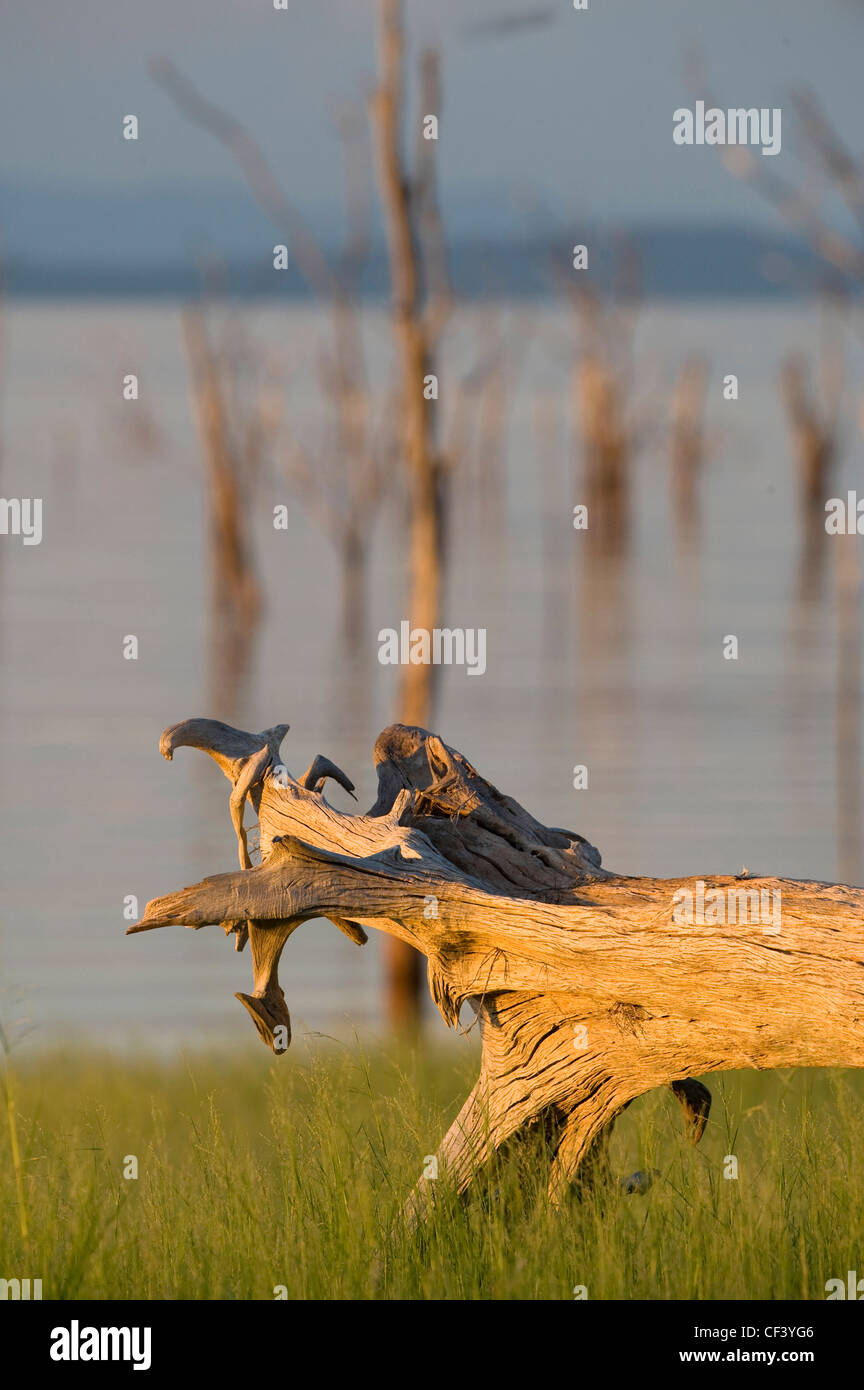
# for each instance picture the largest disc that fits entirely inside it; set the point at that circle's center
(70, 242)
(672, 263)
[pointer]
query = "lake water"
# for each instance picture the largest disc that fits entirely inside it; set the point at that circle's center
(696, 764)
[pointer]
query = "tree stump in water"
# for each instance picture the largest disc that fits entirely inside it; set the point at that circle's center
(591, 988)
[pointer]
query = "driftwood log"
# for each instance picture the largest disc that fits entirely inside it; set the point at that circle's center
(588, 990)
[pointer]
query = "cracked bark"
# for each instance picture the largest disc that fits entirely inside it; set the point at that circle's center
(523, 922)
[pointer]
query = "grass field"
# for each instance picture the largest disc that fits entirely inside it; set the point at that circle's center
(256, 1172)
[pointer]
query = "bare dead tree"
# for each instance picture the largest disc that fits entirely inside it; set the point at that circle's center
(234, 437)
(2, 374)
(603, 393)
(813, 431)
(605, 437)
(420, 307)
(475, 427)
(813, 415)
(609, 429)
(816, 429)
(420, 303)
(418, 318)
(847, 743)
(687, 445)
(799, 206)
(590, 987)
(233, 578)
(813, 425)
(341, 482)
(352, 471)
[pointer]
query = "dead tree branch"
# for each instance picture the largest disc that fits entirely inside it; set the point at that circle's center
(588, 990)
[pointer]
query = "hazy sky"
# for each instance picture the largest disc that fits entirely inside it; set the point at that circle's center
(566, 117)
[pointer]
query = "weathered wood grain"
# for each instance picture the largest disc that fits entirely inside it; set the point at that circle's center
(589, 993)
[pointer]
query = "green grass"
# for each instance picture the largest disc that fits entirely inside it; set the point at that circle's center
(255, 1172)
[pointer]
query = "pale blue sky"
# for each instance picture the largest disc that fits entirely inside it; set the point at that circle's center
(573, 116)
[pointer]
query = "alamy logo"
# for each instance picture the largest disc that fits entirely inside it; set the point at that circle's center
(22, 1289)
(75, 1343)
(852, 1288)
(737, 126)
(845, 518)
(443, 646)
(21, 516)
(728, 906)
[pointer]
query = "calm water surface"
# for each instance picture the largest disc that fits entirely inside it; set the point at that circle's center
(696, 764)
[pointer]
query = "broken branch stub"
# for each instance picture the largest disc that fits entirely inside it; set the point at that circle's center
(591, 987)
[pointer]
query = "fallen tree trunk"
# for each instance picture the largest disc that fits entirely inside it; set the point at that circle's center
(591, 988)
